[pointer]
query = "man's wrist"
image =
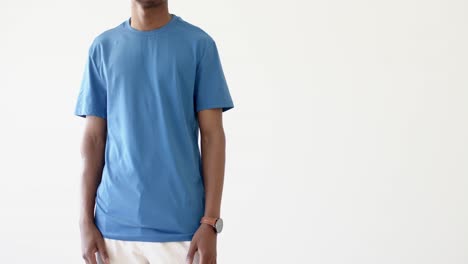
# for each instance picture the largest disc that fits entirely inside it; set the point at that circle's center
(207, 226)
(86, 220)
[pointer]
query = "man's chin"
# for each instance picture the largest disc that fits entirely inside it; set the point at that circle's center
(150, 3)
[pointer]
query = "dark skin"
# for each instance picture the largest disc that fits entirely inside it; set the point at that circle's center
(92, 153)
(213, 144)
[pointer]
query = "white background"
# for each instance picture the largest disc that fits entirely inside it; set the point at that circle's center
(348, 142)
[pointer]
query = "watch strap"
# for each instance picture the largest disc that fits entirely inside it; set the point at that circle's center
(209, 220)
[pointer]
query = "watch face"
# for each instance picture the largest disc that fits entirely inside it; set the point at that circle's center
(219, 225)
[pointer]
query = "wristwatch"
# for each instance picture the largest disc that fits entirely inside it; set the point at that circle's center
(215, 222)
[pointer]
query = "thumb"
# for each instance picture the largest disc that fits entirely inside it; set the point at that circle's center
(191, 253)
(103, 251)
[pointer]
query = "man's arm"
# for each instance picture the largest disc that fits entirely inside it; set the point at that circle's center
(92, 153)
(213, 144)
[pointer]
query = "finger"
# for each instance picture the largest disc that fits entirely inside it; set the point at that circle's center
(211, 259)
(88, 256)
(203, 258)
(103, 251)
(92, 259)
(191, 253)
(92, 256)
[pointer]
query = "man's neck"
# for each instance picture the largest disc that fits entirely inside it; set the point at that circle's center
(149, 18)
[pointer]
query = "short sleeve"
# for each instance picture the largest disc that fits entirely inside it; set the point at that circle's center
(92, 96)
(211, 89)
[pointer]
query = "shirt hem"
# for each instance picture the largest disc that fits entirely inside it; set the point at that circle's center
(84, 114)
(223, 107)
(177, 238)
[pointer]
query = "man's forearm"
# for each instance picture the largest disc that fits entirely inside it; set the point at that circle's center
(213, 146)
(92, 152)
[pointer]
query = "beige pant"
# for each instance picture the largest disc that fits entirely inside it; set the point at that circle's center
(138, 252)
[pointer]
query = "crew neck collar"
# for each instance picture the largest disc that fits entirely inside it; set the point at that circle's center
(168, 25)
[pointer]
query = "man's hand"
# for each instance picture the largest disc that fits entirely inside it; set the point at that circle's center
(92, 242)
(203, 241)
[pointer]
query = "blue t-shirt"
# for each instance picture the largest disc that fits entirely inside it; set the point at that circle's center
(149, 86)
